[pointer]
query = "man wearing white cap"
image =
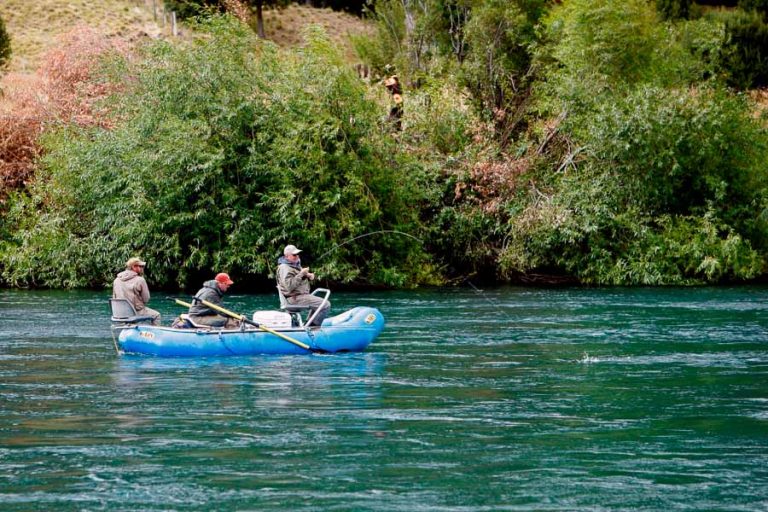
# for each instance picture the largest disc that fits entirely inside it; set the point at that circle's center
(293, 282)
(131, 285)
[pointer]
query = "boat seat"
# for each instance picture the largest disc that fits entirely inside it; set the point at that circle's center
(289, 307)
(123, 312)
(187, 318)
(296, 310)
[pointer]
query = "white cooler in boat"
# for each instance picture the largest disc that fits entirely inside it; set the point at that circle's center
(273, 319)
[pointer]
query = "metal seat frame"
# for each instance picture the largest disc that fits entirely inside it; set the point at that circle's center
(296, 310)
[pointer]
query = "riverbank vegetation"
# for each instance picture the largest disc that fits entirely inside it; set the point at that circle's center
(601, 142)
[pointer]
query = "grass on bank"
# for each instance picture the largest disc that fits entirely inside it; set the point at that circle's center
(35, 27)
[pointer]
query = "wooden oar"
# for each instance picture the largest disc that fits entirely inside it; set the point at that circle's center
(242, 318)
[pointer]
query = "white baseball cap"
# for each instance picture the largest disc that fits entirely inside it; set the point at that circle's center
(291, 249)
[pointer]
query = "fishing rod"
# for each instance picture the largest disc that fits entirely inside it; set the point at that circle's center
(366, 235)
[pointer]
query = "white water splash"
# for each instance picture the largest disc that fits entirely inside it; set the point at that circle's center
(587, 359)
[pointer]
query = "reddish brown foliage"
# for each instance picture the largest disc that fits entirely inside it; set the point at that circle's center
(238, 9)
(61, 91)
(20, 127)
(760, 97)
(490, 183)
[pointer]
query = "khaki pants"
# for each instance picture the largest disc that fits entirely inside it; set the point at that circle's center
(150, 312)
(313, 301)
(215, 321)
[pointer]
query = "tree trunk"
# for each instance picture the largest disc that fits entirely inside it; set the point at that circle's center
(410, 22)
(260, 20)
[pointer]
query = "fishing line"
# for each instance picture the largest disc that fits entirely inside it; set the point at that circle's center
(496, 304)
(365, 235)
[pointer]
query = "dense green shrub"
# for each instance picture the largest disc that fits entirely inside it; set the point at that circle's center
(665, 187)
(386, 49)
(674, 9)
(597, 46)
(746, 54)
(699, 48)
(760, 6)
(438, 120)
(603, 145)
(5, 45)
(225, 150)
(611, 41)
(496, 70)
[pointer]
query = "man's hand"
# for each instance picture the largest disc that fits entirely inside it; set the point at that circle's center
(305, 272)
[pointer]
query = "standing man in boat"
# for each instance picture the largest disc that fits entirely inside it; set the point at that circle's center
(293, 283)
(212, 291)
(131, 285)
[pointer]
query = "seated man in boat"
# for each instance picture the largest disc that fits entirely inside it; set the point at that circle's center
(293, 283)
(212, 291)
(131, 285)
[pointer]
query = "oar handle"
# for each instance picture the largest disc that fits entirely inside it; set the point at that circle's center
(263, 328)
(227, 312)
(244, 319)
(219, 308)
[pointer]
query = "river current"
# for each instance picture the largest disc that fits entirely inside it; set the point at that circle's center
(470, 400)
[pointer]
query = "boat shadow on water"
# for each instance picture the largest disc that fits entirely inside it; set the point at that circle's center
(355, 378)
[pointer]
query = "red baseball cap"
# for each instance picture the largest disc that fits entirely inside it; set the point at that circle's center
(224, 278)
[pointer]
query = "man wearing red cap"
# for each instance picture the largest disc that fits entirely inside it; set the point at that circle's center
(213, 292)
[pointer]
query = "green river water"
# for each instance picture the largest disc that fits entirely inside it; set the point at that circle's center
(471, 400)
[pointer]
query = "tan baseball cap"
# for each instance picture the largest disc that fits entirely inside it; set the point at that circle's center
(291, 249)
(135, 261)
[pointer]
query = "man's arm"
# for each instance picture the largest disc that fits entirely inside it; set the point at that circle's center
(144, 290)
(289, 283)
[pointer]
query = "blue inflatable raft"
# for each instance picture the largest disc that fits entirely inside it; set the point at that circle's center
(351, 331)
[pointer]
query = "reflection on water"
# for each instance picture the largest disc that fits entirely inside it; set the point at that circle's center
(502, 399)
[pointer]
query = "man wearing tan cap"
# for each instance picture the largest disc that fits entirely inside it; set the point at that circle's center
(293, 282)
(131, 285)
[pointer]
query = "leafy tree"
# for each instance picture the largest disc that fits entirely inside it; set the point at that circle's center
(651, 168)
(596, 47)
(608, 41)
(5, 45)
(496, 71)
(746, 53)
(760, 6)
(640, 160)
(225, 150)
(386, 48)
(192, 8)
(674, 9)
